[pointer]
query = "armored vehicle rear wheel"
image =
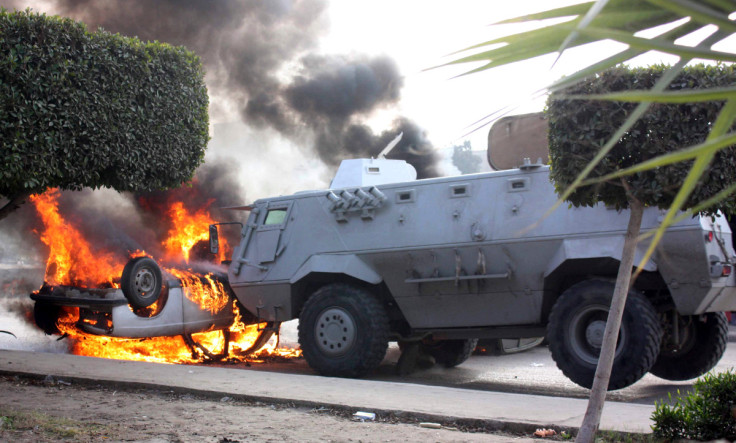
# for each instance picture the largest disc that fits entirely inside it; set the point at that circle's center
(343, 331)
(701, 344)
(575, 332)
(141, 282)
(451, 353)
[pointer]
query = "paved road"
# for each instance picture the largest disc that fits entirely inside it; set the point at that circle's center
(521, 413)
(530, 372)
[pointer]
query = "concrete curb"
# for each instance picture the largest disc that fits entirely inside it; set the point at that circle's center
(404, 416)
(513, 413)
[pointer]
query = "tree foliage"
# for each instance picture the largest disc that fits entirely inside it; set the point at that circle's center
(94, 109)
(579, 127)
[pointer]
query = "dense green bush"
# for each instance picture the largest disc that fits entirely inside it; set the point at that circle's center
(579, 128)
(704, 414)
(93, 109)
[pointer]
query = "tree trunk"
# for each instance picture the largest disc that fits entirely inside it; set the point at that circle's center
(13, 203)
(613, 324)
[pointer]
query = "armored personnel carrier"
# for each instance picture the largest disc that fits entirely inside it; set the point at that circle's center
(442, 262)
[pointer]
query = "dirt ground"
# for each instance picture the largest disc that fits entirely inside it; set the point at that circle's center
(53, 410)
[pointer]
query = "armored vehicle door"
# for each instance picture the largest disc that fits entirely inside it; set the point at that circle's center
(266, 242)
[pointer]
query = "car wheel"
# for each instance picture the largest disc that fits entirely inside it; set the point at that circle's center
(575, 332)
(343, 331)
(141, 282)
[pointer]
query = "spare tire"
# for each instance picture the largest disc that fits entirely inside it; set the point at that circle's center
(141, 282)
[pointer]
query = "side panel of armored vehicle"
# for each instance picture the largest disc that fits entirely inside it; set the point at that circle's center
(449, 260)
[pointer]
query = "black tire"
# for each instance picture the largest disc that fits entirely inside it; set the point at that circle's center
(46, 315)
(141, 282)
(704, 340)
(343, 331)
(451, 353)
(575, 332)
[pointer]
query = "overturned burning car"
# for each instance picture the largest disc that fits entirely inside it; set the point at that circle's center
(145, 305)
(136, 310)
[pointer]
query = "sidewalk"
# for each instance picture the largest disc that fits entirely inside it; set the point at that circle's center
(503, 411)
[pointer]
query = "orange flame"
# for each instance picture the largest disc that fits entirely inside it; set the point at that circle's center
(72, 260)
(169, 349)
(204, 290)
(187, 230)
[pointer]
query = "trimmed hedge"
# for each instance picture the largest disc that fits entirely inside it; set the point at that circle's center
(93, 109)
(579, 128)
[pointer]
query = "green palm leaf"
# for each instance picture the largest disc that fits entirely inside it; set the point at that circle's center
(698, 12)
(619, 20)
(619, 58)
(655, 45)
(706, 148)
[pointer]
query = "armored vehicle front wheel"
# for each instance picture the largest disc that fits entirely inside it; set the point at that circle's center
(343, 331)
(141, 282)
(451, 353)
(699, 345)
(575, 333)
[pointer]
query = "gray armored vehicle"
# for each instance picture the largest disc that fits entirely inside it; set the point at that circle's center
(440, 263)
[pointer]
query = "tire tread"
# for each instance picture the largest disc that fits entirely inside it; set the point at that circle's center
(379, 326)
(635, 302)
(706, 353)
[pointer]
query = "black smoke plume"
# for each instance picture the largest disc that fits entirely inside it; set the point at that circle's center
(246, 45)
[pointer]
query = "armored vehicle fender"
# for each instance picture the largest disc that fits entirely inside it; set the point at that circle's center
(348, 265)
(579, 249)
